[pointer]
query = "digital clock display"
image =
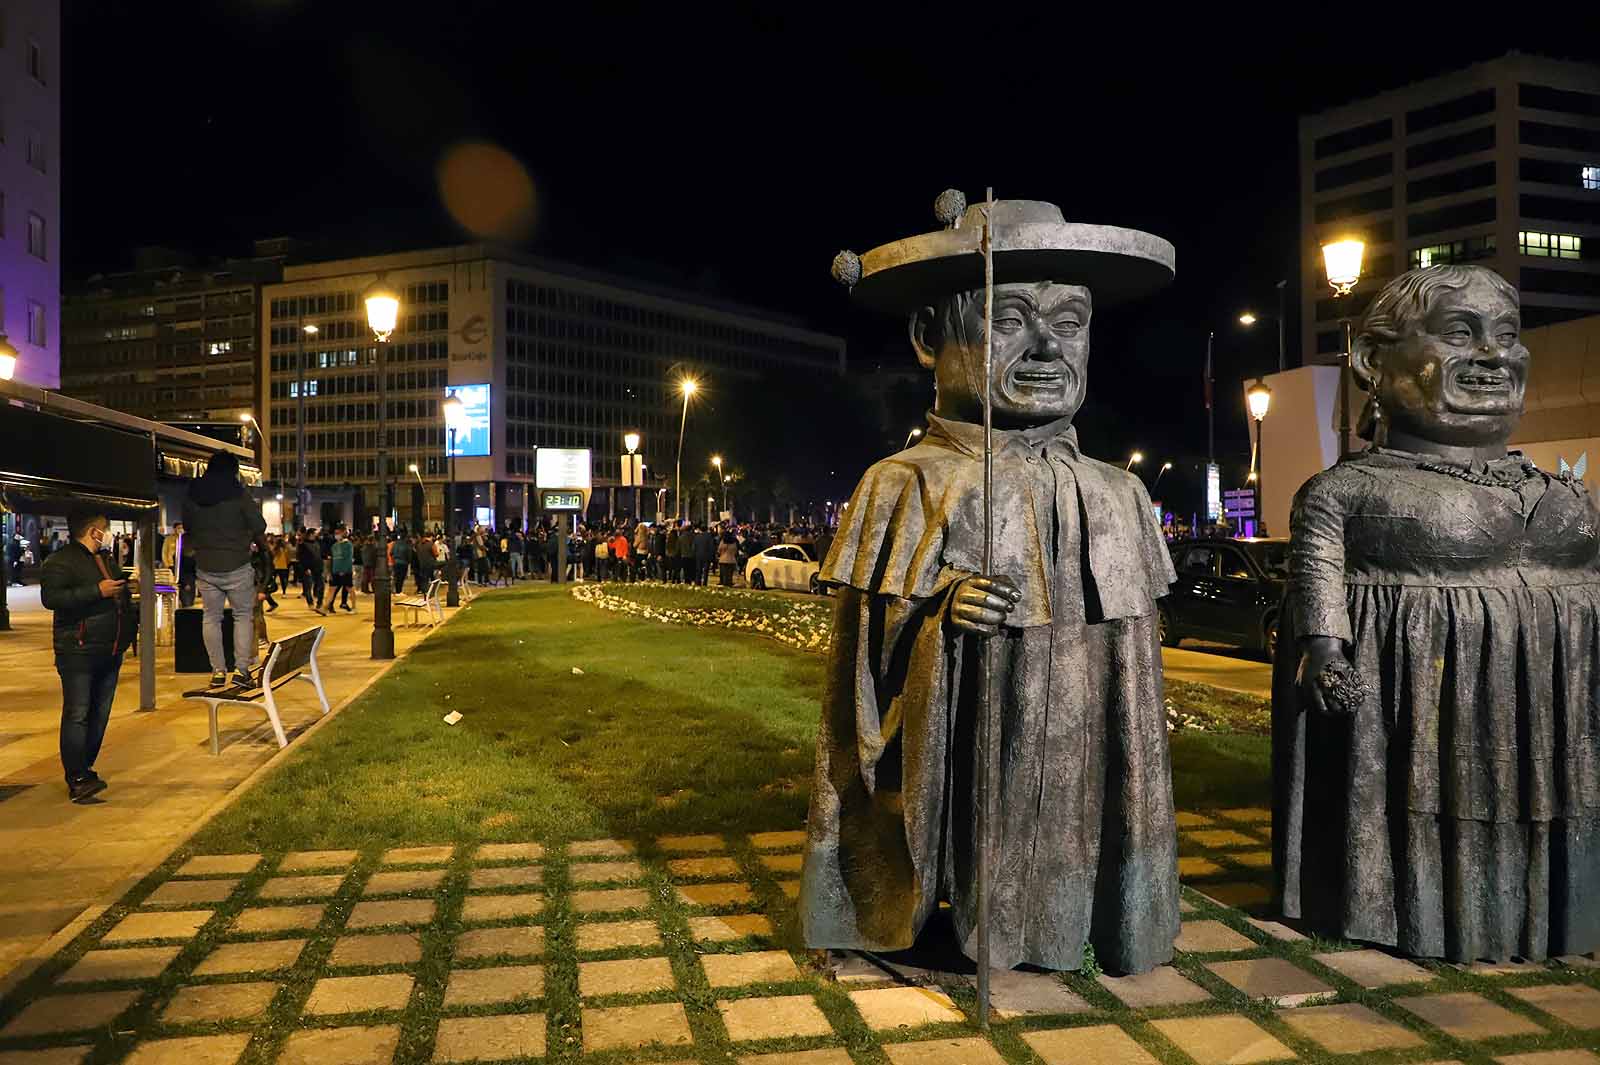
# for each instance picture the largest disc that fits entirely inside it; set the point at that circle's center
(563, 500)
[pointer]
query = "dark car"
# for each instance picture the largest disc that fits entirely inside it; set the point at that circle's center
(1228, 591)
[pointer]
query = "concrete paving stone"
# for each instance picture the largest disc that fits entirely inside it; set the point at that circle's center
(505, 876)
(1276, 930)
(887, 1008)
(262, 956)
(485, 987)
(277, 918)
(830, 1056)
(629, 1027)
(783, 863)
(129, 963)
(1196, 937)
(499, 1038)
(756, 967)
(359, 994)
(611, 901)
(73, 1055)
(791, 888)
(1579, 961)
(857, 967)
(604, 872)
(1192, 867)
(702, 844)
(191, 1050)
(1374, 968)
(1551, 1057)
(1350, 1028)
(1219, 837)
(1576, 1004)
(699, 868)
(346, 1046)
(393, 948)
(501, 907)
(1223, 1040)
(1278, 980)
(1467, 1016)
(508, 852)
(305, 861)
(1100, 1044)
(1161, 986)
(418, 855)
(1016, 994)
(519, 942)
(1251, 815)
(406, 882)
(301, 887)
(777, 841)
(715, 894)
(968, 1051)
(600, 848)
(781, 1017)
(219, 1002)
(393, 912)
(725, 929)
(218, 865)
(629, 976)
(175, 924)
(1189, 819)
(1239, 896)
(1252, 859)
(611, 934)
(190, 892)
(78, 1012)
(1509, 967)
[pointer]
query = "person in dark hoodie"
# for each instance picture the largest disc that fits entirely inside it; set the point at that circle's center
(222, 522)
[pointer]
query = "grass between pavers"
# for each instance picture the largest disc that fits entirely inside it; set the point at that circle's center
(655, 762)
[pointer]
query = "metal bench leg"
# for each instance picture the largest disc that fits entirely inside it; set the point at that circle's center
(216, 745)
(272, 715)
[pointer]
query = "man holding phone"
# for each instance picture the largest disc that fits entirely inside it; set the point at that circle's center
(86, 589)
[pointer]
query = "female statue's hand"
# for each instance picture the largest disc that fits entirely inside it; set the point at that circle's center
(982, 604)
(1316, 652)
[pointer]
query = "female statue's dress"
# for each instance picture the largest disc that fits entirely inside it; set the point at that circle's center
(1456, 813)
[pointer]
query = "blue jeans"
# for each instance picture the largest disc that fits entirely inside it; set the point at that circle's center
(238, 590)
(86, 696)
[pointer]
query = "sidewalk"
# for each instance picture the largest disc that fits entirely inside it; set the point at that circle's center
(61, 858)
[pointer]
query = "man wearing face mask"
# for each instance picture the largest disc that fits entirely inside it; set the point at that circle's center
(85, 588)
(1084, 851)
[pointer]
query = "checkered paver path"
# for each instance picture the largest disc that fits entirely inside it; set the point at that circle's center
(684, 948)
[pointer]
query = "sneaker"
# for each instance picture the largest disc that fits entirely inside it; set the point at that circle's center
(219, 679)
(271, 608)
(348, 609)
(86, 789)
(242, 679)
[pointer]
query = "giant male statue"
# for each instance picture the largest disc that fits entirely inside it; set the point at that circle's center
(1085, 848)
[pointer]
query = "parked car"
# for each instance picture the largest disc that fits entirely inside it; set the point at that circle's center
(784, 566)
(1228, 591)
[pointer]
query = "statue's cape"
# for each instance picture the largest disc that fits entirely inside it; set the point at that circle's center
(915, 524)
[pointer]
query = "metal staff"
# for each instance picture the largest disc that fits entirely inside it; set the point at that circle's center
(988, 727)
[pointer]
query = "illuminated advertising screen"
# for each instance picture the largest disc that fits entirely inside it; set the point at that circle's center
(472, 432)
(1213, 491)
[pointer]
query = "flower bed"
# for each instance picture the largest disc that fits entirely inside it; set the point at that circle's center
(800, 623)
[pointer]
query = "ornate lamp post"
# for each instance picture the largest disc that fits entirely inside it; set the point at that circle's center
(631, 442)
(1341, 259)
(1260, 400)
(383, 313)
(687, 386)
(454, 412)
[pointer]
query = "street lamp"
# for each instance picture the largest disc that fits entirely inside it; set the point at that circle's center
(687, 386)
(630, 441)
(8, 359)
(1341, 260)
(912, 435)
(455, 412)
(716, 460)
(413, 469)
(1249, 318)
(1134, 459)
(1260, 399)
(1165, 466)
(383, 314)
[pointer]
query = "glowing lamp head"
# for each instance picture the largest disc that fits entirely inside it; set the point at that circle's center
(246, 417)
(716, 460)
(688, 386)
(383, 309)
(631, 442)
(916, 433)
(412, 467)
(8, 359)
(1165, 466)
(310, 330)
(1260, 399)
(1248, 319)
(1137, 457)
(1342, 261)
(455, 411)
(1252, 477)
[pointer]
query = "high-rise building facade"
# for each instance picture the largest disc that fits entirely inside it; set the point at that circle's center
(549, 355)
(171, 340)
(1497, 164)
(30, 187)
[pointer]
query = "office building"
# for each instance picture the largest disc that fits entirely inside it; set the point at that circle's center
(1497, 164)
(30, 187)
(545, 354)
(172, 340)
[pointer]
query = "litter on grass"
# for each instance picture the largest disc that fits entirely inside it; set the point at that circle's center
(452, 717)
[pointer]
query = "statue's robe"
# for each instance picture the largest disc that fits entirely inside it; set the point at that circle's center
(1087, 845)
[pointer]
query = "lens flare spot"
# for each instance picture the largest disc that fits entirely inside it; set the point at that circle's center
(487, 191)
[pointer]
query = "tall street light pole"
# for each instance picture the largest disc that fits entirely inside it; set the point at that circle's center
(716, 460)
(454, 411)
(630, 441)
(300, 418)
(383, 313)
(1341, 259)
(912, 435)
(1134, 460)
(687, 386)
(1260, 399)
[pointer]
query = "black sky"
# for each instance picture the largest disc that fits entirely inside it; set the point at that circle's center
(736, 152)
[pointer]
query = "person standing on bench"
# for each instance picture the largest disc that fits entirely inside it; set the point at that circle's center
(223, 521)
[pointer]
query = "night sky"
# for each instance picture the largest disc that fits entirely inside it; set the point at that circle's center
(737, 154)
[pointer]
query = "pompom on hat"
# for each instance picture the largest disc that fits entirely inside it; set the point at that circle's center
(1032, 242)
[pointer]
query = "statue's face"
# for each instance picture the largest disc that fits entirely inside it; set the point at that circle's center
(1041, 353)
(1462, 380)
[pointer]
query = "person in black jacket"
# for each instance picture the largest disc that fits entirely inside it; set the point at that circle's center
(85, 588)
(223, 522)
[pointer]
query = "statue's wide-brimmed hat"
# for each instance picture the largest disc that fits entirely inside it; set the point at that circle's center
(1032, 242)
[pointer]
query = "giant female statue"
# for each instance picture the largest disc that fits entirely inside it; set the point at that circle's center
(1436, 734)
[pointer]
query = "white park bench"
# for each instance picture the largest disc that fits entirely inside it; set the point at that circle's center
(291, 658)
(428, 601)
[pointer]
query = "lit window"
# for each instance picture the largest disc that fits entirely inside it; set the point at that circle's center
(221, 347)
(1550, 245)
(36, 330)
(1591, 177)
(36, 242)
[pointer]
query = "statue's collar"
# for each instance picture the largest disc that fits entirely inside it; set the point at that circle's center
(968, 437)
